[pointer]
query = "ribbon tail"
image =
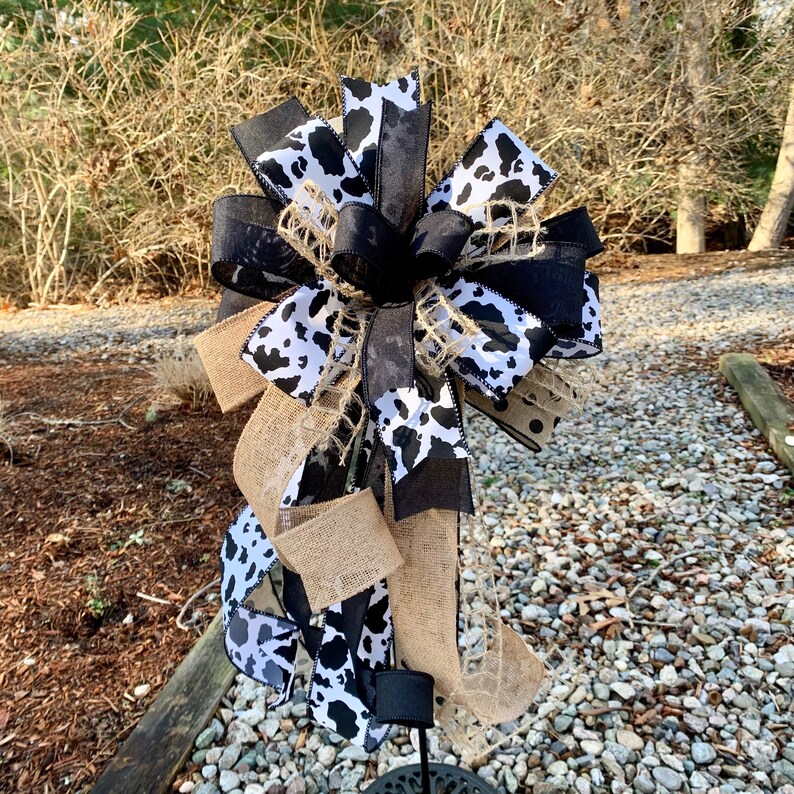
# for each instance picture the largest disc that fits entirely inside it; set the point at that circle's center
(259, 643)
(362, 105)
(424, 599)
(587, 341)
(290, 345)
(417, 417)
(507, 343)
(355, 645)
(355, 640)
(425, 450)
(518, 415)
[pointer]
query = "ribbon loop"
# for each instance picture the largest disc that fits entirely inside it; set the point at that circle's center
(402, 152)
(438, 240)
(311, 151)
(371, 254)
(362, 105)
(548, 284)
(248, 256)
(264, 131)
(575, 227)
(388, 361)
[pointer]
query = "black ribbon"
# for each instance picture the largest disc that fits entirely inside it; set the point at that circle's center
(405, 697)
(248, 255)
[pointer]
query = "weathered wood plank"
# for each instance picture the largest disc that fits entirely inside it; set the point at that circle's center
(158, 747)
(770, 410)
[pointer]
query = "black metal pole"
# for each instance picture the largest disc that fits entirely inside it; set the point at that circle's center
(423, 761)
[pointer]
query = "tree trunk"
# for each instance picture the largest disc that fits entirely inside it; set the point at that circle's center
(774, 219)
(690, 232)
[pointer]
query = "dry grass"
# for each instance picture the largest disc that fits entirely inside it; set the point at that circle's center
(180, 379)
(111, 152)
(9, 434)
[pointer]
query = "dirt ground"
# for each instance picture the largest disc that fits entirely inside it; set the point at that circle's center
(102, 511)
(93, 517)
(621, 268)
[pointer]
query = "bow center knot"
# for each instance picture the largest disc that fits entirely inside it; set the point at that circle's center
(376, 257)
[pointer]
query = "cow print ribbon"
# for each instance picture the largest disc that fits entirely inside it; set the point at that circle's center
(390, 241)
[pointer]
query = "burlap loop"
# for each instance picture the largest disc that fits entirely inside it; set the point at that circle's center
(319, 541)
(339, 547)
(233, 381)
(272, 445)
(423, 594)
(505, 683)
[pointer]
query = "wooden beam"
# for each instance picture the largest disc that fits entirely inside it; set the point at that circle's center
(770, 410)
(160, 744)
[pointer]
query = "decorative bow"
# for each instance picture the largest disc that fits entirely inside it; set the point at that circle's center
(387, 309)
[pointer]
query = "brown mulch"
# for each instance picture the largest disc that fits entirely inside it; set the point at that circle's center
(91, 515)
(628, 268)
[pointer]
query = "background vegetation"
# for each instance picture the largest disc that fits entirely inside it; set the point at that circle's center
(114, 129)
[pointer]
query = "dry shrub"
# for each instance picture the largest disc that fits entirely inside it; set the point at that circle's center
(112, 151)
(180, 379)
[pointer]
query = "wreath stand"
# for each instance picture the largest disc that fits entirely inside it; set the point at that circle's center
(405, 697)
(424, 778)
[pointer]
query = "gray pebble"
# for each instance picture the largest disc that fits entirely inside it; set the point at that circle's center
(670, 779)
(353, 753)
(229, 780)
(625, 691)
(326, 755)
(205, 738)
(557, 768)
(230, 755)
(703, 753)
(562, 723)
(620, 753)
(644, 785)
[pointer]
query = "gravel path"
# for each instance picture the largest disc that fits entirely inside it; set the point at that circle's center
(664, 494)
(136, 332)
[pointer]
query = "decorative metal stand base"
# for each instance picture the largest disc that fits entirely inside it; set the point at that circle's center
(443, 779)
